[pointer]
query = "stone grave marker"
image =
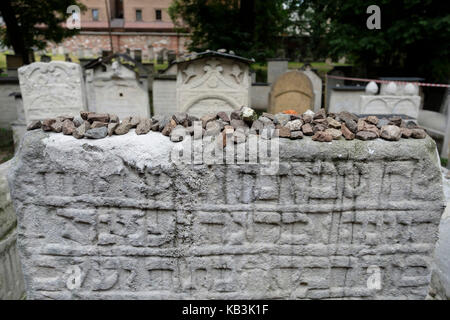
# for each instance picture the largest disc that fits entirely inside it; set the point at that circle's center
(291, 91)
(51, 89)
(212, 81)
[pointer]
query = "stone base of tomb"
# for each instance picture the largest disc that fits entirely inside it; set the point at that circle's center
(114, 218)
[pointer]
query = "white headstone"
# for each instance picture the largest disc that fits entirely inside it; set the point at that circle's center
(317, 86)
(211, 84)
(117, 90)
(51, 89)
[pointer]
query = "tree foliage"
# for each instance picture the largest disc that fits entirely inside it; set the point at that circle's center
(31, 23)
(414, 37)
(250, 28)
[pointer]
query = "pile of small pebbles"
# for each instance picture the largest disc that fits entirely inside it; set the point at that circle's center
(321, 126)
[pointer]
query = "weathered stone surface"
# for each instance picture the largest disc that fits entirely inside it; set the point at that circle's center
(382, 122)
(177, 134)
(112, 127)
(418, 133)
(284, 132)
(35, 124)
(176, 227)
(113, 118)
(390, 132)
(123, 128)
(372, 120)
(294, 125)
(98, 124)
(348, 135)
(321, 114)
(366, 135)
(268, 115)
(237, 123)
(240, 135)
(291, 91)
(207, 118)
(168, 128)
(56, 126)
(101, 117)
(96, 133)
(144, 126)
(77, 121)
(180, 117)
(47, 124)
(335, 133)
(135, 121)
(68, 127)
(81, 130)
(11, 278)
(282, 119)
(224, 116)
(322, 136)
(235, 115)
(307, 129)
(296, 135)
(257, 125)
(213, 128)
(406, 133)
(333, 123)
(51, 89)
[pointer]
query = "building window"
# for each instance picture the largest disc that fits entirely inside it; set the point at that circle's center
(158, 14)
(138, 15)
(95, 14)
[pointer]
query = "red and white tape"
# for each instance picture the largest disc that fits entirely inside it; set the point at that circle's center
(421, 84)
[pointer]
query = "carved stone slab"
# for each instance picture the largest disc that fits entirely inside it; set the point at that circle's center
(51, 89)
(11, 279)
(117, 90)
(379, 104)
(345, 219)
(291, 91)
(212, 84)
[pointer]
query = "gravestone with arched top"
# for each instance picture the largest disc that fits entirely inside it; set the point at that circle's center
(212, 81)
(291, 91)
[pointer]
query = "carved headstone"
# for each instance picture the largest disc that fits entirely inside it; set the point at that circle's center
(51, 89)
(116, 90)
(291, 91)
(212, 83)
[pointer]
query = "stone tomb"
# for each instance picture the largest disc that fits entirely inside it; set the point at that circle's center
(212, 81)
(51, 89)
(292, 90)
(403, 99)
(114, 87)
(345, 219)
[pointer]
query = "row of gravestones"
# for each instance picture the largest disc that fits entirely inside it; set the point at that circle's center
(205, 85)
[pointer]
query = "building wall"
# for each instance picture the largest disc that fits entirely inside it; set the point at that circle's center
(150, 36)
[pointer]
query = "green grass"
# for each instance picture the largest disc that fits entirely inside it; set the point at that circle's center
(444, 162)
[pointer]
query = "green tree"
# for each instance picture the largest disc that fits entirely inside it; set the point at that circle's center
(31, 23)
(414, 39)
(250, 28)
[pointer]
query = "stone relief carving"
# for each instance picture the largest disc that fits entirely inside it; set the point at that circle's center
(51, 89)
(211, 85)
